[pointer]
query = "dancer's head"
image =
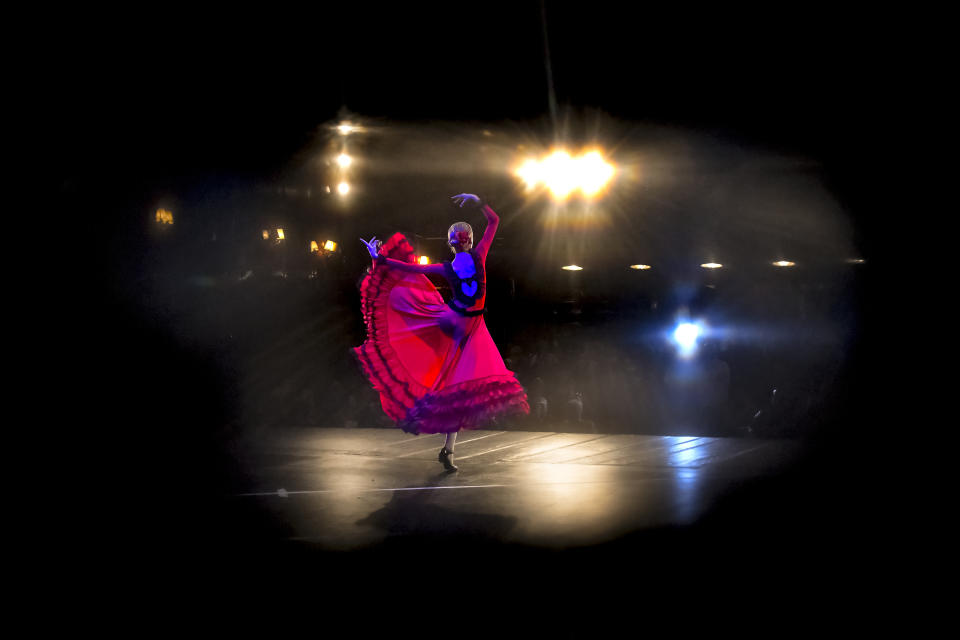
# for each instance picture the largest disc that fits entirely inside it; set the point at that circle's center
(460, 237)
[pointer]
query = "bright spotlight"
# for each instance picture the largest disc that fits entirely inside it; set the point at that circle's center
(344, 160)
(856, 261)
(279, 234)
(711, 265)
(640, 266)
(572, 267)
(343, 188)
(330, 245)
(686, 334)
(164, 216)
(595, 173)
(562, 174)
(424, 260)
(685, 337)
(314, 247)
(345, 129)
(266, 234)
(784, 263)
(531, 173)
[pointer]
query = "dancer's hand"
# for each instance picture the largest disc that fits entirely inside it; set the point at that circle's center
(463, 198)
(372, 246)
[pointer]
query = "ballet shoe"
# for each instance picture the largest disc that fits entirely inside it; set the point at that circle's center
(446, 457)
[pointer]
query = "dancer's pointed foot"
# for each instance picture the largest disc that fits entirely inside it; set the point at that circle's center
(446, 457)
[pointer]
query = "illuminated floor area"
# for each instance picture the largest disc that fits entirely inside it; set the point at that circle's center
(353, 489)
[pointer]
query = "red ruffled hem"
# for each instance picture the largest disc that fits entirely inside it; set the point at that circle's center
(468, 405)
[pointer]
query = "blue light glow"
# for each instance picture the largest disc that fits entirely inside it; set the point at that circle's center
(686, 335)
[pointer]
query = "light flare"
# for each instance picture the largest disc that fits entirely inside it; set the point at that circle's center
(686, 335)
(595, 173)
(563, 174)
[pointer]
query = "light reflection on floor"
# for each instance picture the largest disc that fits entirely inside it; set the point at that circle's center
(363, 486)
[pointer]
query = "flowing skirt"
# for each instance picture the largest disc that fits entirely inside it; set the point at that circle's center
(436, 370)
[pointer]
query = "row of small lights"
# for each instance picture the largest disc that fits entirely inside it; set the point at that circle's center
(164, 217)
(328, 246)
(713, 265)
(332, 246)
(344, 160)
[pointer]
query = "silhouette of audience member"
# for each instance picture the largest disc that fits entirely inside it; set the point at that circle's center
(575, 405)
(514, 361)
(538, 400)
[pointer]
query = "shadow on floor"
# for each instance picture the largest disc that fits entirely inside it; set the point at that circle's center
(415, 513)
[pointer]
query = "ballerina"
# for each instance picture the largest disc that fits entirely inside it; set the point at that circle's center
(434, 363)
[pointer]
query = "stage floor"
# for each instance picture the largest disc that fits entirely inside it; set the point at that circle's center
(353, 489)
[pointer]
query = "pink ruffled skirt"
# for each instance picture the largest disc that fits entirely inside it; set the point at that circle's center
(436, 370)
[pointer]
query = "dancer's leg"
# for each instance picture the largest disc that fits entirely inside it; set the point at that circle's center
(451, 441)
(446, 454)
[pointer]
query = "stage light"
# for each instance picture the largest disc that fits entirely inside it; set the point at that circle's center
(685, 337)
(595, 173)
(266, 234)
(572, 267)
(640, 266)
(562, 174)
(343, 188)
(164, 216)
(686, 334)
(314, 247)
(531, 173)
(344, 160)
(711, 265)
(784, 263)
(424, 260)
(345, 129)
(856, 261)
(280, 234)
(330, 245)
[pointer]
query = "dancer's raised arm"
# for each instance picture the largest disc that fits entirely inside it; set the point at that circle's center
(435, 269)
(493, 221)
